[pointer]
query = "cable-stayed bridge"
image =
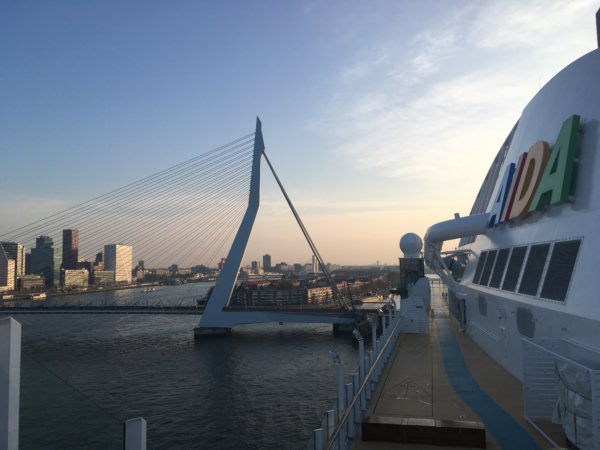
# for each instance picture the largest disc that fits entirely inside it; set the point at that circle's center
(191, 213)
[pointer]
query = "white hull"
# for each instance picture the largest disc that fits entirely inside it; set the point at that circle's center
(498, 318)
(490, 320)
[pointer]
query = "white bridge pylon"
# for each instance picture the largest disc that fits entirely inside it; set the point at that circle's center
(216, 318)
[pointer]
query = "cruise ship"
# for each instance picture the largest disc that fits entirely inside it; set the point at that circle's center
(524, 273)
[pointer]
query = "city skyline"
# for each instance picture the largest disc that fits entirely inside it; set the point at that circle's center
(380, 118)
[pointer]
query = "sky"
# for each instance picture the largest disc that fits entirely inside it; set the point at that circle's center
(380, 117)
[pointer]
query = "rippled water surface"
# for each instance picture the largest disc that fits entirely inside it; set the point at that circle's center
(266, 386)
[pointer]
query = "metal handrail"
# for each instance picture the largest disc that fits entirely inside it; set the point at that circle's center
(350, 408)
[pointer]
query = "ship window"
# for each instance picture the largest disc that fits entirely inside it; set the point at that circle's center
(487, 269)
(514, 268)
(479, 268)
(560, 269)
(499, 268)
(533, 269)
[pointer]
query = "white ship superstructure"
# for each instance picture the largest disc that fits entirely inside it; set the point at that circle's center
(530, 250)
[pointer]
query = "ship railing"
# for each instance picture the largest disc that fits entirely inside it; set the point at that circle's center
(340, 424)
(45, 387)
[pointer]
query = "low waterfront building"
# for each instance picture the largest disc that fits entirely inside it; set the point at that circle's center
(103, 277)
(74, 278)
(31, 283)
(281, 293)
(140, 273)
(162, 272)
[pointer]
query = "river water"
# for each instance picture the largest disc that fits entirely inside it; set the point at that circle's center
(266, 386)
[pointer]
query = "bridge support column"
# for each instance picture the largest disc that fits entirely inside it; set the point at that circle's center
(201, 332)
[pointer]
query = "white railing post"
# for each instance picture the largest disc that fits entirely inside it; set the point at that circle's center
(350, 417)
(361, 353)
(357, 411)
(373, 334)
(318, 439)
(341, 390)
(331, 420)
(363, 393)
(135, 434)
(10, 382)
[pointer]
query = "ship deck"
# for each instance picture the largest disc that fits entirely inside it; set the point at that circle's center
(445, 376)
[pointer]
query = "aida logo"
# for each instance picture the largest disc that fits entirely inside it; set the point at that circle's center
(540, 178)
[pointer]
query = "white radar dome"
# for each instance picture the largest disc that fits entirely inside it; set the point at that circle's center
(411, 245)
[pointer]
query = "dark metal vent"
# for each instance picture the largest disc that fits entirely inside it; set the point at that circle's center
(479, 267)
(487, 269)
(525, 322)
(482, 302)
(514, 268)
(534, 267)
(499, 268)
(560, 270)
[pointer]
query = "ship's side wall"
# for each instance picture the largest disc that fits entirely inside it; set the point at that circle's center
(509, 316)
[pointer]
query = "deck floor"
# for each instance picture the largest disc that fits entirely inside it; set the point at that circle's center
(416, 384)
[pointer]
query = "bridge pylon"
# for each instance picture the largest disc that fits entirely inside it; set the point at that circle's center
(216, 319)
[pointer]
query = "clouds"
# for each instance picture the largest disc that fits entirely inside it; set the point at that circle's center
(421, 108)
(428, 104)
(536, 25)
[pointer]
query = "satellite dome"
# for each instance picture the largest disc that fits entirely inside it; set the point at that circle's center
(411, 245)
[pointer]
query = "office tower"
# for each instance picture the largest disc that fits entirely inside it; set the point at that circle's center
(315, 264)
(7, 271)
(70, 249)
(255, 267)
(16, 252)
(119, 258)
(267, 263)
(41, 259)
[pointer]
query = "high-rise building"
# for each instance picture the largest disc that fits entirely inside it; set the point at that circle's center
(255, 267)
(16, 252)
(267, 263)
(7, 271)
(41, 259)
(315, 264)
(70, 249)
(119, 258)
